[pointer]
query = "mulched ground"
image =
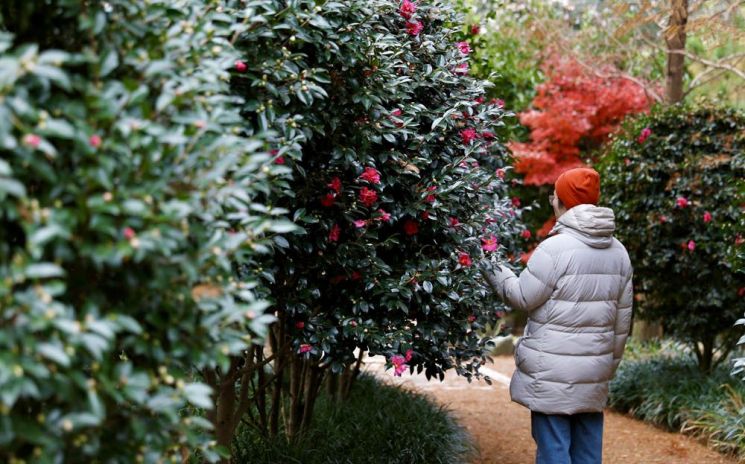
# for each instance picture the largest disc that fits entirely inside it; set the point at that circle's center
(501, 428)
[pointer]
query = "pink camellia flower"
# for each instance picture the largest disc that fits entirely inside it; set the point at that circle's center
(397, 112)
(334, 233)
(464, 259)
(360, 223)
(95, 140)
(371, 175)
(691, 245)
(300, 325)
(467, 135)
(475, 29)
(400, 369)
(32, 140)
(384, 216)
(681, 202)
(240, 66)
(663, 219)
(407, 9)
(515, 202)
(409, 355)
(328, 200)
(526, 234)
(454, 221)
(489, 243)
(335, 185)
(353, 323)
(397, 360)
(707, 217)
(411, 227)
(463, 47)
(414, 27)
(399, 364)
(368, 197)
(500, 173)
(305, 348)
(129, 233)
(644, 135)
(461, 69)
(471, 318)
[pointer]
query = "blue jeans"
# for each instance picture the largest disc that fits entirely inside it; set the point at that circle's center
(568, 439)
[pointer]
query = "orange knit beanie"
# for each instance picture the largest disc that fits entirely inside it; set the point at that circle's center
(578, 186)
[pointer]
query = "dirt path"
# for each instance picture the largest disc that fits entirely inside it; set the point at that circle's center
(502, 428)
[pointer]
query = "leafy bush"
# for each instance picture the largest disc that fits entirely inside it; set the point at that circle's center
(396, 182)
(671, 178)
(377, 423)
(128, 186)
(672, 392)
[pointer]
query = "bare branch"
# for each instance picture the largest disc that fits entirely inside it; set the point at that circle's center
(713, 64)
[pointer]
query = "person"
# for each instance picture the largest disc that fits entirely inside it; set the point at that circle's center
(577, 291)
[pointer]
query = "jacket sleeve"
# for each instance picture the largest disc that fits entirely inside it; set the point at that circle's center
(531, 289)
(623, 320)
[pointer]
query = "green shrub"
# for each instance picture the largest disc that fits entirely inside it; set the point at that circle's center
(378, 423)
(126, 182)
(672, 179)
(672, 392)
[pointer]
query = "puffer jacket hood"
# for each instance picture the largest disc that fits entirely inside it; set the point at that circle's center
(592, 225)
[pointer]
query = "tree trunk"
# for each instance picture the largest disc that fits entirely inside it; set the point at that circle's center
(675, 37)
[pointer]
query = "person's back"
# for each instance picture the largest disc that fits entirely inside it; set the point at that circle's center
(577, 290)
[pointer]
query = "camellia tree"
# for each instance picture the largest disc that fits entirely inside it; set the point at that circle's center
(128, 188)
(672, 178)
(397, 182)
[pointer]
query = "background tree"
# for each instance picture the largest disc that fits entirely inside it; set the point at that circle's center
(671, 178)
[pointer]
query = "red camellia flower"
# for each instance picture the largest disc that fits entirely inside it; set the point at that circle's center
(644, 135)
(407, 9)
(467, 135)
(739, 240)
(425, 215)
(464, 260)
(240, 66)
(409, 355)
(129, 233)
(741, 291)
(487, 135)
(371, 175)
(328, 200)
(411, 227)
(32, 140)
(707, 217)
(461, 69)
(335, 185)
(682, 202)
(479, 100)
(95, 140)
(384, 216)
(489, 243)
(463, 47)
(525, 234)
(304, 348)
(414, 27)
(279, 160)
(300, 325)
(368, 197)
(334, 233)
(471, 318)
(475, 29)
(397, 112)
(515, 202)
(454, 221)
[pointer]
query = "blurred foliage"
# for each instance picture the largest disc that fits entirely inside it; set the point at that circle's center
(671, 178)
(128, 187)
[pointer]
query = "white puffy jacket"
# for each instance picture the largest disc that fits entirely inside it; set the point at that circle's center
(578, 293)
